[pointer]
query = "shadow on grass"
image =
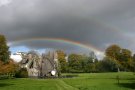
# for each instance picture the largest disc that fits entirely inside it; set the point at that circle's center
(83, 88)
(127, 85)
(69, 76)
(130, 84)
(5, 84)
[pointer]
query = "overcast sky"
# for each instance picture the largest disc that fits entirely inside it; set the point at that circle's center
(96, 22)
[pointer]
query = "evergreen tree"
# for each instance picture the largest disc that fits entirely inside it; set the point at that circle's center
(4, 49)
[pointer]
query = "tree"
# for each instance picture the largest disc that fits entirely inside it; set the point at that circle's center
(126, 59)
(121, 56)
(89, 66)
(90, 63)
(108, 65)
(133, 63)
(75, 62)
(62, 60)
(113, 52)
(4, 53)
(9, 67)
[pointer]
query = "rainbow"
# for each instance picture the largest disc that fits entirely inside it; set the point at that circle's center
(71, 42)
(61, 40)
(67, 41)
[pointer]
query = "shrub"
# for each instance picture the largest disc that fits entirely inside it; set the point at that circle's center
(22, 73)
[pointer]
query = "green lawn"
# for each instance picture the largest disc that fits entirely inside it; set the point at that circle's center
(92, 81)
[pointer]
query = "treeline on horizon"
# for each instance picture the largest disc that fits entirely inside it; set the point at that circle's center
(116, 59)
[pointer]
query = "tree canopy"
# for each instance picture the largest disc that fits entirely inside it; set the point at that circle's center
(122, 56)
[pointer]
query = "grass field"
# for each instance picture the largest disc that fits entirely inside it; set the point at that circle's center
(92, 81)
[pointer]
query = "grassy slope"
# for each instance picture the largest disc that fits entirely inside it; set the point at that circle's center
(101, 81)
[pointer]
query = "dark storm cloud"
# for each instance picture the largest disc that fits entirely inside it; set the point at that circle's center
(96, 22)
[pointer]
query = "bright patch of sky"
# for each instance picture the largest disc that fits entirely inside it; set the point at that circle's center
(19, 49)
(5, 2)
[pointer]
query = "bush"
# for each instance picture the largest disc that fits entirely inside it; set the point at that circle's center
(22, 73)
(7, 76)
(107, 65)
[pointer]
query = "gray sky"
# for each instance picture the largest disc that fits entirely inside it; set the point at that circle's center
(96, 22)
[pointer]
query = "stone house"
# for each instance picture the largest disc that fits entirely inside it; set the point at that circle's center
(40, 66)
